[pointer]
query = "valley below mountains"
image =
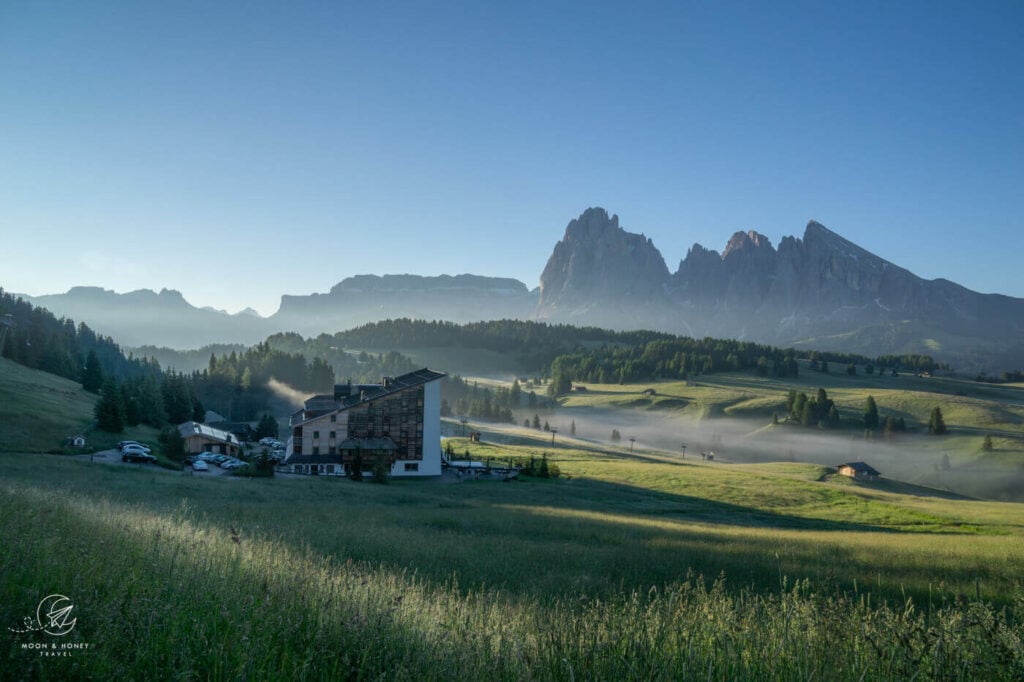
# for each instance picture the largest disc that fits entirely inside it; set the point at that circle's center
(819, 291)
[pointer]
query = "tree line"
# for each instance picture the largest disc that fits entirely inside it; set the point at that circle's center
(36, 338)
(461, 398)
(676, 358)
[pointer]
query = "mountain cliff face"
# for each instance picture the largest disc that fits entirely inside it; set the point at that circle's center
(601, 274)
(818, 291)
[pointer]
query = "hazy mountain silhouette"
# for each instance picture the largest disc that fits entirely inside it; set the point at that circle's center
(817, 291)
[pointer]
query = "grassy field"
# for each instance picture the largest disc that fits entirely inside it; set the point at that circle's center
(636, 564)
(39, 411)
(731, 413)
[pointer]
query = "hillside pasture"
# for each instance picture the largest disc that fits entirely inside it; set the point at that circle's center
(636, 567)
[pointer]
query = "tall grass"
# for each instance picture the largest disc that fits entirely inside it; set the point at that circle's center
(172, 594)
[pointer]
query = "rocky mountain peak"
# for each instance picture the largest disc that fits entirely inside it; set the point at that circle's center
(598, 260)
(593, 223)
(748, 242)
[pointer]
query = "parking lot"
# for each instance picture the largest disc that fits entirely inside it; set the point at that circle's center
(114, 457)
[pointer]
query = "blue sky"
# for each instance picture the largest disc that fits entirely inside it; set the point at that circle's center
(240, 151)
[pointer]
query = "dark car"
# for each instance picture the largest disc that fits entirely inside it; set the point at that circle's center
(136, 456)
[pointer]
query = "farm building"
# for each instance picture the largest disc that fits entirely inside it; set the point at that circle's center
(397, 421)
(203, 438)
(858, 470)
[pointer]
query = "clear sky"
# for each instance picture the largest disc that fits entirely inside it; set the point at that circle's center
(237, 151)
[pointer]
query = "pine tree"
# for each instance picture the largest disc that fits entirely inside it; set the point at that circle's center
(560, 384)
(798, 406)
(92, 373)
(151, 402)
(572, 428)
(888, 427)
(833, 417)
(807, 416)
(109, 410)
(616, 436)
(986, 444)
(173, 444)
(936, 424)
(536, 422)
(132, 409)
(870, 413)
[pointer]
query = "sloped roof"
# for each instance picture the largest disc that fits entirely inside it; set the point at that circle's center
(189, 429)
(318, 405)
(861, 468)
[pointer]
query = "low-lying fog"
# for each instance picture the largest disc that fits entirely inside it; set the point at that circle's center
(909, 457)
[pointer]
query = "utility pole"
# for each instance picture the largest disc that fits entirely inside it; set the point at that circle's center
(631, 441)
(553, 432)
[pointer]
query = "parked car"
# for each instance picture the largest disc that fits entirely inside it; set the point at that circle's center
(133, 443)
(231, 464)
(135, 450)
(137, 456)
(200, 465)
(218, 459)
(207, 456)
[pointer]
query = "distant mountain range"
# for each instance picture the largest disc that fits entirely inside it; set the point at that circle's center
(819, 291)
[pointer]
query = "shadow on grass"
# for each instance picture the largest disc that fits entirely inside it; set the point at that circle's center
(531, 538)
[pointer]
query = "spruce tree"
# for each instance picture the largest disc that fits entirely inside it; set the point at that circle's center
(92, 373)
(109, 410)
(936, 424)
(833, 417)
(870, 413)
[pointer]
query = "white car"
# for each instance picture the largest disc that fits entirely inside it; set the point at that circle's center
(135, 445)
(200, 465)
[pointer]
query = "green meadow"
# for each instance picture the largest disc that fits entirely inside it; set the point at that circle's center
(637, 563)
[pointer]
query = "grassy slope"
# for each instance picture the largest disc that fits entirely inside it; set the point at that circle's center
(38, 410)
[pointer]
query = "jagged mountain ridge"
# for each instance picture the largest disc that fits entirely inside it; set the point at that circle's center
(816, 291)
(819, 291)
